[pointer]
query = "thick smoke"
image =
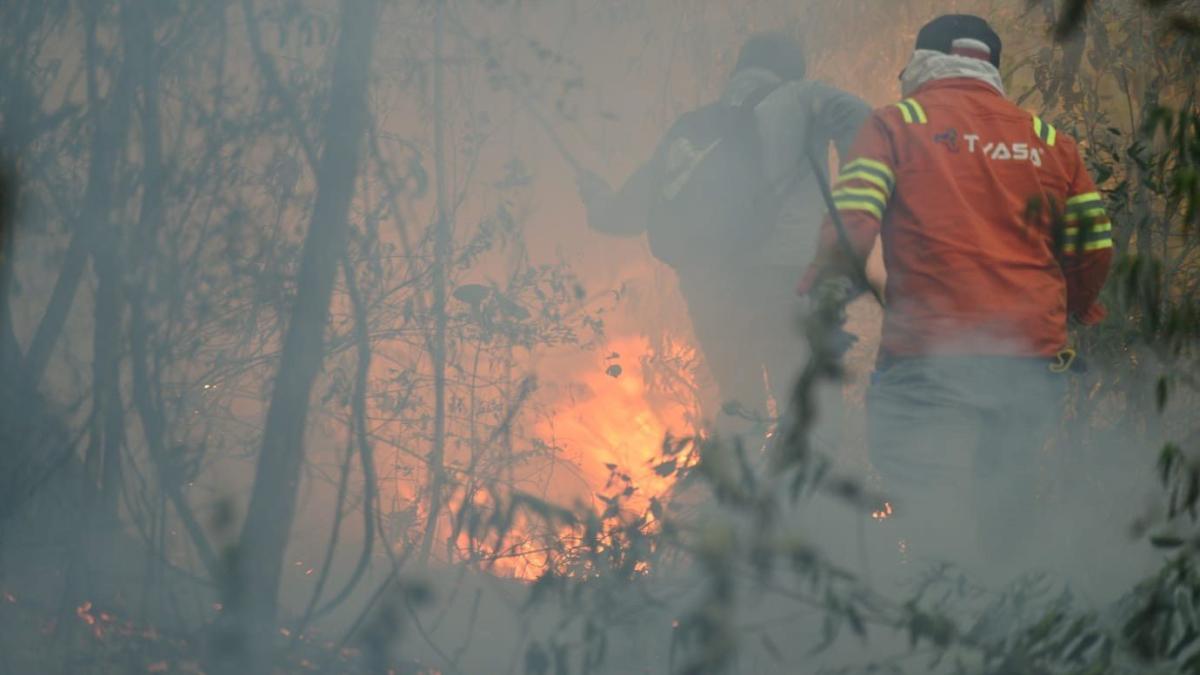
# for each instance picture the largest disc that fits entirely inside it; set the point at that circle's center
(312, 362)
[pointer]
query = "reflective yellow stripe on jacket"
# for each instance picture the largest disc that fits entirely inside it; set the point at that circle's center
(865, 185)
(1045, 131)
(912, 112)
(1088, 225)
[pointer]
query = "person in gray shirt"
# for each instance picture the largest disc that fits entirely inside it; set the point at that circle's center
(739, 228)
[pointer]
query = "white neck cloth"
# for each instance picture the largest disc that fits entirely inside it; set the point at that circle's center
(928, 65)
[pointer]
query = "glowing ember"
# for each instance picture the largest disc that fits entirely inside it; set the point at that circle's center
(84, 612)
(883, 513)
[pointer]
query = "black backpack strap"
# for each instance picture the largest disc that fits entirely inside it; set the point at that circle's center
(759, 95)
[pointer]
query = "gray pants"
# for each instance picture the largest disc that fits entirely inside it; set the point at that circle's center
(747, 320)
(956, 440)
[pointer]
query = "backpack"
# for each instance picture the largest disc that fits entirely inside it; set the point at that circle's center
(712, 202)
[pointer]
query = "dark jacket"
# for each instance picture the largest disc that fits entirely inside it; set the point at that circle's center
(792, 117)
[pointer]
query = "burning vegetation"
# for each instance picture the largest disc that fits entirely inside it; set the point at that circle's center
(311, 362)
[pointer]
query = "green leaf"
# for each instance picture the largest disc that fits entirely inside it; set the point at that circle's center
(1166, 541)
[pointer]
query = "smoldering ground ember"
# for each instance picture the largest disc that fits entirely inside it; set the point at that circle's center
(368, 337)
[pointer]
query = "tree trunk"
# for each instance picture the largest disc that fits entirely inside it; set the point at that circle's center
(265, 533)
(107, 436)
(441, 254)
(147, 404)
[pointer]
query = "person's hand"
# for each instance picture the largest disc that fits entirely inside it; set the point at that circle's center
(826, 332)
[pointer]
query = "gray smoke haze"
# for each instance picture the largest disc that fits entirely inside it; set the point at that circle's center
(312, 363)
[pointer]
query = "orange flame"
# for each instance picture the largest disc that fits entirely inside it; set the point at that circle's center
(609, 426)
(613, 424)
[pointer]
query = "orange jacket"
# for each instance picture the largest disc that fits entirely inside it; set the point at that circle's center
(993, 232)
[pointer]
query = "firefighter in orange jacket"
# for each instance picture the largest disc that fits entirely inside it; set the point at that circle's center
(994, 239)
